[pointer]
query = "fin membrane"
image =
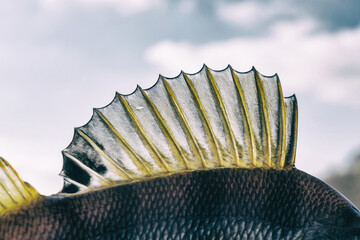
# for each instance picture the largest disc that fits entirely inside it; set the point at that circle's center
(14, 192)
(207, 120)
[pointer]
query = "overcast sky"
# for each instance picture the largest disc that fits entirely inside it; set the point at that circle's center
(61, 58)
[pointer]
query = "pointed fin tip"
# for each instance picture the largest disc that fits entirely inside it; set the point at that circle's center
(291, 97)
(213, 70)
(15, 192)
(171, 96)
(204, 66)
(253, 69)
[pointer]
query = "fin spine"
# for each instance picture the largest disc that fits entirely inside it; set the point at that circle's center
(205, 119)
(281, 151)
(77, 184)
(165, 128)
(116, 167)
(87, 169)
(234, 151)
(158, 159)
(294, 133)
(266, 134)
(251, 148)
(184, 122)
(138, 161)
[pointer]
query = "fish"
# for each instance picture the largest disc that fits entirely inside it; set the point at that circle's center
(209, 155)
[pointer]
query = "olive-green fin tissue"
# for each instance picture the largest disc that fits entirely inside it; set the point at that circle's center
(207, 120)
(14, 192)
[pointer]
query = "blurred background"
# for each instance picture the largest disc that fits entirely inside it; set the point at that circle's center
(61, 58)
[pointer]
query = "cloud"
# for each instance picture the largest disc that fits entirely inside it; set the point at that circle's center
(332, 14)
(252, 13)
(320, 63)
(124, 7)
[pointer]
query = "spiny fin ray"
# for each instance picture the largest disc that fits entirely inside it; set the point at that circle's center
(207, 120)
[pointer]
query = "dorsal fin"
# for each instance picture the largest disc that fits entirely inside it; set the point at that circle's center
(14, 192)
(207, 120)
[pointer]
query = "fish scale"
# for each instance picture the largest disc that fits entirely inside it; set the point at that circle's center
(194, 205)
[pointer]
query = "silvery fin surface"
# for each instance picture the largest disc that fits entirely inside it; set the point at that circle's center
(207, 120)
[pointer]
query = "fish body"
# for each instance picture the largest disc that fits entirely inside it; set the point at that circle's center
(202, 156)
(216, 204)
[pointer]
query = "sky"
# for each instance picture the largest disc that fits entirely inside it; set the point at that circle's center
(59, 59)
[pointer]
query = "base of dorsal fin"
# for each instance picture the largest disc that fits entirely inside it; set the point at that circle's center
(14, 192)
(207, 120)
